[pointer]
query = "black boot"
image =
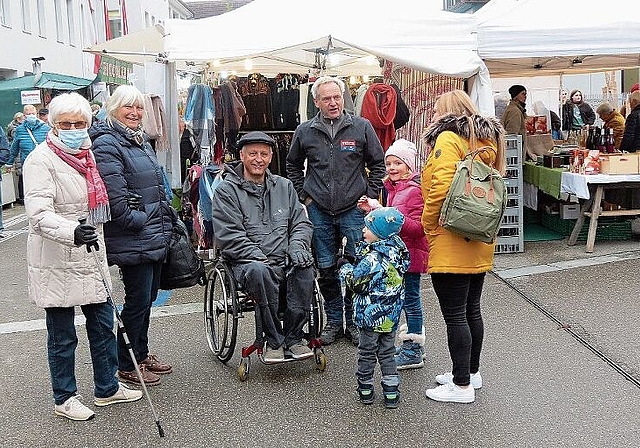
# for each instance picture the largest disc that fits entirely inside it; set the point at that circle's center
(366, 393)
(391, 396)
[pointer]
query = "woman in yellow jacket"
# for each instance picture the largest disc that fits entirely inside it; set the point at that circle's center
(457, 265)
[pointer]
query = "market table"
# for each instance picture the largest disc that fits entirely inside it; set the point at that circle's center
(590, 190)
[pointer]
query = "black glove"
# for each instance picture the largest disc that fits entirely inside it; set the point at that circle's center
(341, 262)
(134, 201)
(85, 234)
(300, 257)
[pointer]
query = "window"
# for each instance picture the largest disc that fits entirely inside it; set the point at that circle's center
(5, 17)
(26, 16)
(71, 24)
(42, 29)
(58, 5)
(115, 23)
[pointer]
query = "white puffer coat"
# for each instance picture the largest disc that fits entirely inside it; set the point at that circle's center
(60, 274)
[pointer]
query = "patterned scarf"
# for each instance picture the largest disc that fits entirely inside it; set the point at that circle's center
(134, 134)
(84, 163)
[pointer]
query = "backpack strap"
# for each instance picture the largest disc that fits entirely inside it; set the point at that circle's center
(475, 153)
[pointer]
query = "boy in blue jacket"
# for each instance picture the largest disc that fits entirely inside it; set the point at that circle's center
(376, 282)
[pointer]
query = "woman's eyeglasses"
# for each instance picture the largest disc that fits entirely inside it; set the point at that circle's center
(66, 125)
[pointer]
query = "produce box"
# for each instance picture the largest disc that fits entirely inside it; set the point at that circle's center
(569, 211)
(620, 163)
(610, 228)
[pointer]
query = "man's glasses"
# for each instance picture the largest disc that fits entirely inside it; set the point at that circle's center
(66, 125)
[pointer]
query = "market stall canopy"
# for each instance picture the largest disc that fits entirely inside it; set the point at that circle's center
(279, 36)
(45, 80)
(546, 37)
(145, 45)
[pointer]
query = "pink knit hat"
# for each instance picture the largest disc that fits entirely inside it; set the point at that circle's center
(405, 151)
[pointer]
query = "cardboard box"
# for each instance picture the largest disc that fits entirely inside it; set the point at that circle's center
(628, 163)
(569, 211)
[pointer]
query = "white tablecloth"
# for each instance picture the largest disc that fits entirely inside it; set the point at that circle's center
(578, 183)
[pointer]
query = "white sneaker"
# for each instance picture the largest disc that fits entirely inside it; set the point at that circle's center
(476, 379)
(122, 395)
(449, 392)
(299, 351)
(73, 409)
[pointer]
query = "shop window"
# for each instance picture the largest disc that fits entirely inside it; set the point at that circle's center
(26, 16)
(115, 23)
(5, 17)
(42, 28)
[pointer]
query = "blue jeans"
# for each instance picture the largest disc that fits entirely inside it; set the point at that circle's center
(62, 341)
(141, 283)
(412, 305)
(1, 223)
(459, 297)
(328, 231)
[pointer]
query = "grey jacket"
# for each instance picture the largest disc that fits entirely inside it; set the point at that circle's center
(258, 224)
(336, 175)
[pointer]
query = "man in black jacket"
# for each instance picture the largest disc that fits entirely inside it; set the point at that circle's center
(335, 158)
(631, 136)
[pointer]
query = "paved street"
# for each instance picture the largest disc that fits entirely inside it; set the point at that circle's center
(560, 364)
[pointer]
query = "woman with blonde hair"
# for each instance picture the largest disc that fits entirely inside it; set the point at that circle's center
(457, 265)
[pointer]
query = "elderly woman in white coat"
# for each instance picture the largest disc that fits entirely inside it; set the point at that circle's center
(62, 187)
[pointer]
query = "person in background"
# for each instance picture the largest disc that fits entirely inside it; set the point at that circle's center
(514, 117)
(18, 118)
(457, 265)
(576, 113)
(4, 153)
(29, 134)
(631, 137)
(376, 282)
(63, 186)
(138, 234)
(43, 114)
(402, 184)
(263, 230)
(335, 158)
(612, 120)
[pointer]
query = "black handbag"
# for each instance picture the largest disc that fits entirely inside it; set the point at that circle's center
(183, 267)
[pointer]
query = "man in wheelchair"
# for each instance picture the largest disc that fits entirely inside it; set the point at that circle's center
(262, 230)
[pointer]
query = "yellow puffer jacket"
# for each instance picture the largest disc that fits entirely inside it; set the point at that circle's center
(448, 252)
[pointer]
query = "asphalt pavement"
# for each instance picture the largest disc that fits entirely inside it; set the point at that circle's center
(560, 368)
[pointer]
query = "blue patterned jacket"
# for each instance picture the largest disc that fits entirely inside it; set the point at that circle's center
(376, 282)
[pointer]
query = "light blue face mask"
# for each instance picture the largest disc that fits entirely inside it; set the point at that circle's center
(73, 138)
(30, 118)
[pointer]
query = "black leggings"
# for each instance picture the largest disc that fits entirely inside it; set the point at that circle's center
(459, 297)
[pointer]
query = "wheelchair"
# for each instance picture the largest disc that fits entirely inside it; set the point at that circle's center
(226, 303)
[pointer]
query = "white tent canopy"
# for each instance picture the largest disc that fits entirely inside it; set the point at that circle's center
(546, 37)
(275, 36)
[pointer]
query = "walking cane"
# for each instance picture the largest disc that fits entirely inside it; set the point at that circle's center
(91, 246)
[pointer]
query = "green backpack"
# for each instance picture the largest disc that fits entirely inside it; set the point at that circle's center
(476, 200)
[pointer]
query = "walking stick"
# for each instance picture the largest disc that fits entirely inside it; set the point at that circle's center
(122, 329)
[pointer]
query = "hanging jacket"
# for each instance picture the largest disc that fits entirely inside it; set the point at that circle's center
(379, 107)
(132, 236)
(376, 283)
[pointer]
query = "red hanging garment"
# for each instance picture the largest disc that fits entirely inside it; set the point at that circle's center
(379, 107)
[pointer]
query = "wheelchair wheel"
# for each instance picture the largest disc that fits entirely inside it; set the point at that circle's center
(221, 312)
(316, 316)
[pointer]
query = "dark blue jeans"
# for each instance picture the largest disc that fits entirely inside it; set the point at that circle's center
(141, 283)
(377, 348)
(328, 231)
(459, 297)
(412, 304)
(62, 341)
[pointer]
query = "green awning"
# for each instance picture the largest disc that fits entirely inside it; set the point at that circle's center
(22, 83)
(61, 82)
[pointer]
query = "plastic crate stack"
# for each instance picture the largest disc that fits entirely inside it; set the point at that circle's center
(511, 233)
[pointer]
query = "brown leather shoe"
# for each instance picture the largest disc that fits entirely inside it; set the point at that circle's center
(153, 364)
(149, 378)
